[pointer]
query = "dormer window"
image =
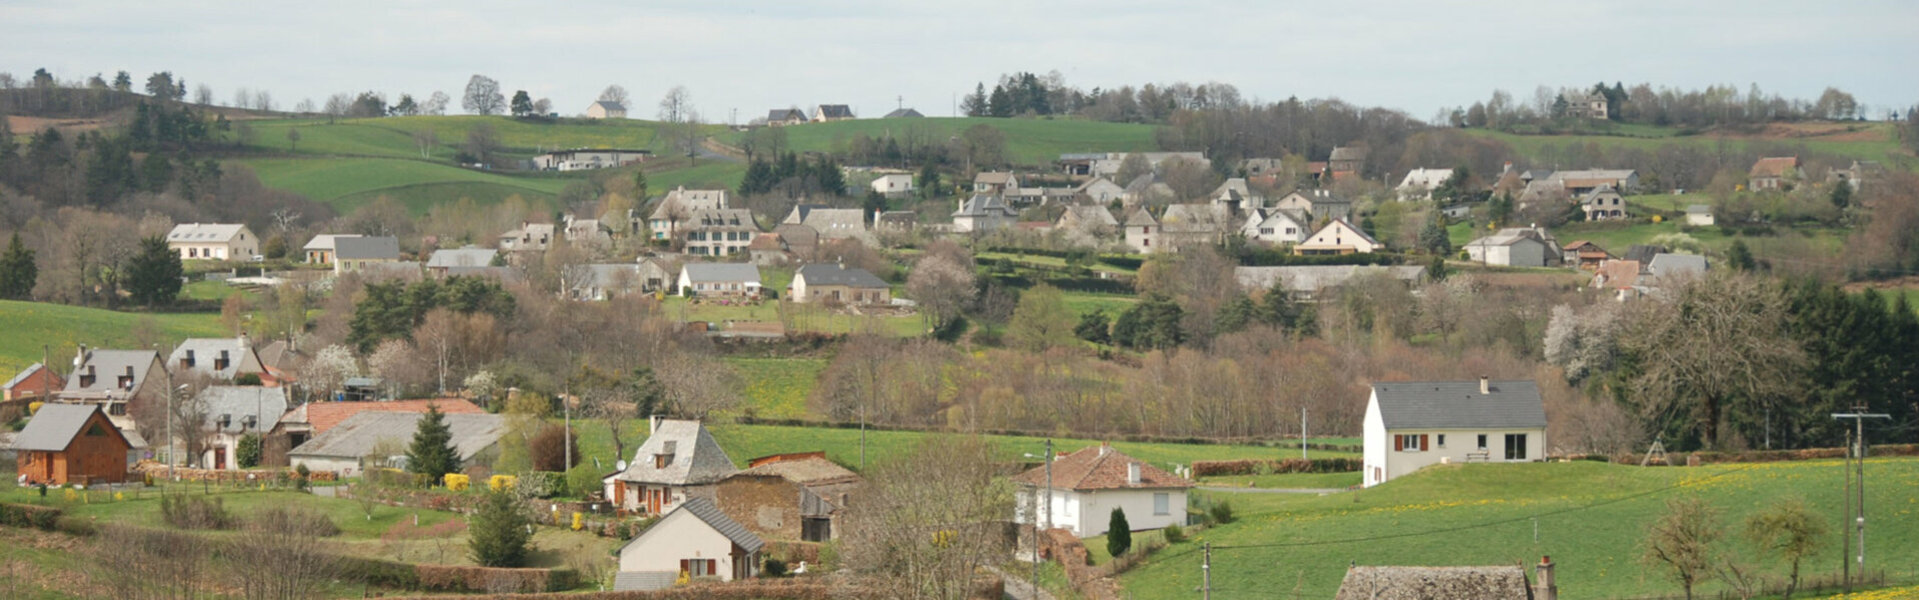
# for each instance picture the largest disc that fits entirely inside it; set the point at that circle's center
(187, 361)
(224, 421)
(220, 364)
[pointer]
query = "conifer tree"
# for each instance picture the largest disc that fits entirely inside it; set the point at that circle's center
(498, 533)
(1119, 534)
(432, 452)
(153, 275)
(17, 270)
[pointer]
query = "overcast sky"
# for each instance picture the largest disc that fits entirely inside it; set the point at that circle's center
(1418, 56)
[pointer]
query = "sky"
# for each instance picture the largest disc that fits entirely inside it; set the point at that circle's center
(739, 59)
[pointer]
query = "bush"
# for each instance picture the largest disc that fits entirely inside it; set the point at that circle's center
(194, 512)
(548, 449)
(583, 480)
(1205, 468)
(1173, 534)
(247, 452)
(26, 515)
(1221, 512)
(774, 567)
(247, 379)
(541, 484)
(301, 477)
(1119, 534)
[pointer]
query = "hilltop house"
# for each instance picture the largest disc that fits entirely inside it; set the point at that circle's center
(983, 213)
(213, 241)
(1590, 106)
(678, 462)
(1338, 237)
(695, 539)
(834, 283)
(1420, 183)
(781, 117)
(222, 359)
(320, 250)
(1603, 203)
(117, 380)
(233, 412)
(904, 113)
(1086, 486)
(66, 443)
(1773, 173)
(832, 112)
(719, 280)
(677, 206)
(1412, 425)
(606, 109)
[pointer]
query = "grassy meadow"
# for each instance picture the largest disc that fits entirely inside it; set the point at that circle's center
(348, 183)
(29, 325)
(1029, 142)
(1864, 141)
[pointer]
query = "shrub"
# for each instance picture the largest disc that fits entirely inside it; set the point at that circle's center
(247, 452)
(541, 484)
(1173, 534)
(548, 449)
(27, 515)
(775, 567)
(583, 480)
(194, 512)
(1119, 534)
(1221, 512)
(301, 477)
(247, 379)
(457, 482)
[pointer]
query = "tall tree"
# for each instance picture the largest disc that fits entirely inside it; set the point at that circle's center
(522, 104)
(1042, 320)
(431, 453)
(614, 94)
(483, 96)
(499, 534)
(1715, 345)
(153, 274)
(17, 270)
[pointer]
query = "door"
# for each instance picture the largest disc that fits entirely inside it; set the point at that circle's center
(654, 498)
(619, 495)
(219, 458)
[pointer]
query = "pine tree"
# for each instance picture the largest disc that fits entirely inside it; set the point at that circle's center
(153, 275)
(17, 270)
(1119, 534)
(1841, 194)
(432, 452)
(1434, 239)
(498, 533)
(1739, 257)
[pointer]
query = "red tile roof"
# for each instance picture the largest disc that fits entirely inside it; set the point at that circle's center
(1101, 468)
(324, 415)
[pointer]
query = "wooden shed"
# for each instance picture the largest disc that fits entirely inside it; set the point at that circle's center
(72, 443)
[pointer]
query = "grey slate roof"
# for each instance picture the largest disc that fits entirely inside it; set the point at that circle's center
(721, 272)
(904, 113)
(697, 458)
(356, 436)
(1459, 405)
(470, 256)
(236, 403)
(784, 114)
(838, 274)
(1313, 278)
(835, 111)
(53, 427)
(706, 511)
(643, 581)
(985, 205)
(1435, 583)
(206, 351)
(108, 365)
(1643, 253)
(1664, 265)
(367, 248)
(1698, 209)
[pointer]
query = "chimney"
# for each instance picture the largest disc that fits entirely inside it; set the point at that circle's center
(652, 424)
(1132, 473)
(1547, 588)
(1485, 385)
(1105, 448)
(245, 342)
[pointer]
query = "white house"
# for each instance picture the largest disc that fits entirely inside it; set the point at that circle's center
(982, 213)
(1101, 190)
(1603, 203)
(1420, 183)
(695, 539)
(1272, 226)
(678, 462)
(676, 206)
(234, 412)
(1411, 425)
(606, 109)
(351, 446)
(719, 279)
(1699, 215)
(1512, 247)
(1087, 485)
(1338, 237)
(893, 185)
(213, 241)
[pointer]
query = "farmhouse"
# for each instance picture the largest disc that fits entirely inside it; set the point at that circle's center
(67, 443)
(995, 182)
(1412, 425)
(1586, 255)
(233, 412)
(1346, 159)
(530, 237)
(444, 260)
(903, 113)
(781, 117)
(695, 540)
(832, 112)
(606, 109)
(1141, 230)
(1773, 173)
(983, 213)
(831, 223)
(678, 462)
(1086, 225)
(362, 253)
(1087, 485)
(1603, 203)
(605, 281)
(1100, 190)
(342, 448)
(213, 241)
(320, 250)
(1514, 247)
(1420, 183)
(718, 231)
(314, 418)
(1699, 215)
(1313, 205)
(1272, 226)
(719, 279)
(1338, 237)
(788, 496)
(834, 283)
(676, 206)
(117, 380)
(589, 158)
(893, 185)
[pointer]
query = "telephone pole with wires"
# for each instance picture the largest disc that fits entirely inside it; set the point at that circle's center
(1855, 471)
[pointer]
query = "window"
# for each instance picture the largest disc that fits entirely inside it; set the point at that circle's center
(1442, 440)
(118, 409)
(1162, 504)
(1412, 442)
(1515, 446)
(698, 567)
(1482, 441)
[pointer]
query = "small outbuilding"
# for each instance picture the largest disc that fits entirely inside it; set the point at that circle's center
(71, 443)
(695, 540)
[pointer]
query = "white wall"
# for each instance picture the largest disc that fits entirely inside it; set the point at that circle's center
(1382, 462)
(1087, 514)
(679, 536)
(1377, 444)
(345, 467)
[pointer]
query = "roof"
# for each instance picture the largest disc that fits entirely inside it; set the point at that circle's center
(1314, 278)
(994, 178)
(468, 256)
(831, 223)
(108, 365)
(326, 241)
(720, 218)
(1348, 226)
(322, 416)
(1460, 405)
(206, 350)
(53, 427)
(835, 111)
(984, 205)
(356, 436)
(1349, 153)
(1087, 216)
(1643, 253)
(1618, 274)
(610, 105)
(904, 113)
(721, 272)
(1698, 209)
(785, 114)
(704, 510)
(1593, 174)
(1194, 218)
(1774, 166)
(1435, 583)
(204, 232)
(265, 404)
(606, 276)
(1664, 265)
(367, 248)
(1425, 178)
(697, 458)
(1507, 237)
(809, 471)
(1101, 468)
(1141, 217)
(838, 274)
(686, 201)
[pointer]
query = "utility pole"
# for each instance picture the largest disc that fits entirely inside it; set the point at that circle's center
(1206, 571)
(1856, 469)
(1302, 433)
(1845, 524)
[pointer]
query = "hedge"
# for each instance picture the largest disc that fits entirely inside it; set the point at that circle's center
(1203, 468)
(1281, 258)
(452, 578)
(1750, 456)
(755, 589)
(44, 518)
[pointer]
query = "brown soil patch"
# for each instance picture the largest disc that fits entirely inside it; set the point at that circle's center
(1822, 131)
(30, 125)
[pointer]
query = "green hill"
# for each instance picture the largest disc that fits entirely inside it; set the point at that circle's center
(347, 183)
(393, 136)
(1029, 142)
(29, 325)
(1591, 519)
(1864, 141)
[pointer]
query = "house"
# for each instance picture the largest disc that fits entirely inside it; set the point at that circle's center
(530, 237)
(117, 380)
(1643, 253)
(213, 241)
(718, 231)
(1338, 237)
(1619, 275)
(606, 109)
(1504, 582)
(1699, 215)
(709, 280)
(320, 250)
(360, 253)
(344, 447)
(1186, 225)
(1107, 164)
(1582, 182)
(1408, 425)
(676, 206)
(1669, 269)
(896, 221)
(781, 117)
(903, 113)
(1585, 255)
(1773, 173)
(587, 231)
(832, 112)
(1589, 106)
(831, 223)
(1086, 486)
(1514, 247)
(445, 259)
(1086, 225)
(1347, 159)
(580, 159)
(1235, 194)
(604, 281)
(1603, 203)
(655, 273)
(1273, 226)
(1858, 172)
(222, 359)
(767, 249)
(678, 462)
(894, 185)
(995, 182)
(233, 412)
(69, 443)
(1420, 183)
(1141, 230)
(314, 418)
(1315, 205)
(1146, 189)
(35, 381)
(983, 213)
(1310, 282)
(836, 284)
(696, 540)
(1100, 190)
(788, 496)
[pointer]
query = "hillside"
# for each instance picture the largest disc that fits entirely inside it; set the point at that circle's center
(1861, 140)
(1034, 143)
(32, 324)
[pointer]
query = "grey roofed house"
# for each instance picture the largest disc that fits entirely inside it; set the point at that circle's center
(1311, 279)
(356, 436)
(1643, 253)
(838, 274)
(53, 426)
(602, 281)
(721, 272)
(831, 223)
(779, 115)
(367, 248)
(610, 106)
(467, 256)
(833, 111)
(1435, 583)
(1698, 209)
(985, 205)
(107, 366)
(1460, 405)
(680, 452)
(1667, 268)
(1349, 153)
(904, 113)
(239, 409)
(704, 510)
(203, 356)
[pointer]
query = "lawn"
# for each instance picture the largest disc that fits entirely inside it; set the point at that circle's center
(1086, 302)
(29, 325)
(1318, 481)
(1882, 145)
(392, 137)
(1029, 142)
(1591, 518)
(212, 290)
(347, 183)
(804, 317)
(1051, 261)
(776, 388)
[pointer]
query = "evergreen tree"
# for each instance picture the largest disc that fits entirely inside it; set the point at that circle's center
(1739, 257)
(1434, 239)
(1235, 316)
(1436, 271)
(522, 104)
(1841, 194)
(929, 180)
(1093, 327)
(827, 172)
(17, 270)
(498, 533)
(1119, 534)
(1000, 104)
(153, 275)
(639, 185)
(432, 452)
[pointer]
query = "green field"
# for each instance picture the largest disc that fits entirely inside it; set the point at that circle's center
(776, 388)
(29, 325)
(805, 317)
(392, 137)
(1288, 480)
(1882, 144)
(348, 183)
(1029, 142)
(1591, 519)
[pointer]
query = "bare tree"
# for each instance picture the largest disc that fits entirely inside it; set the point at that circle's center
(676, 105)
(1715, 344)
(1682, 540)
(1789, 530)
(942, 282)
(615, 94)
(435, 104)
(203, 95)
(262, 100)
(543, 107)
(483, 96)
(925, 522)
(284, 555)
(242, 98)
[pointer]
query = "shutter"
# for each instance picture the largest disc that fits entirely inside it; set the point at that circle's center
(1399, 443)
(712, 567)
(684, 568)
(1422, 443)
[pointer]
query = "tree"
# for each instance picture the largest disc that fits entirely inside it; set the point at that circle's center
(1433, 237)
(675, 105)
(17, 270)
(550, 448)
(1841, 195)
(293, 139)
(542, 107)
(1094, 327)
(614, 94)
(985, 146)
(159, 85)
(1788, 530)
(425, 140)
(522, 104)
(482, 142)
(483, 96)
(1041, 321)
(153, 275)
(1739, 257)
(498, 532)
(122, 82)
(1682, 540)
(247, 452)
(1119, 534)
(1717, 345)
(406, 107)
(942, 281)
(1134, 165)
(929, 180)
(926, 521)
(431, 453)
(435, 104)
